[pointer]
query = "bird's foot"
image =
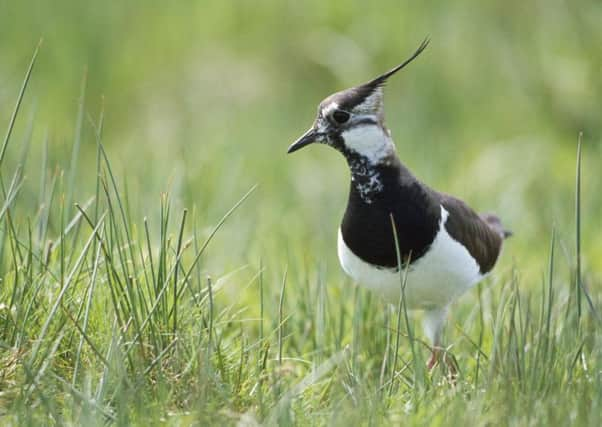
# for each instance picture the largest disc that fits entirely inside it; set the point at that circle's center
(439, 354)
(434, 359)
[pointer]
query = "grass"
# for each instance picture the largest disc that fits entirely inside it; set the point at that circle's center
(115, 314)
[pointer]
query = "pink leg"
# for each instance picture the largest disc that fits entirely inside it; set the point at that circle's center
(439, 355)
(434, 358)
(433, 323)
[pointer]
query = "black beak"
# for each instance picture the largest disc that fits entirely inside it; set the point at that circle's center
(307, 138)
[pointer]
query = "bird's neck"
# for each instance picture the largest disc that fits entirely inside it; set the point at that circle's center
(370, 181)
(372, 159)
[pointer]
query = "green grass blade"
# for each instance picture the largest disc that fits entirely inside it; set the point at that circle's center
(13, 117)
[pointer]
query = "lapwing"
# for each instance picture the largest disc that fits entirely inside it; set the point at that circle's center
(445, 247)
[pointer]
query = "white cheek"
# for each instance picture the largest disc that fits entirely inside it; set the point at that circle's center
(370, 141)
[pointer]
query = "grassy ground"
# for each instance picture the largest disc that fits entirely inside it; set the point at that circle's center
(163, 261)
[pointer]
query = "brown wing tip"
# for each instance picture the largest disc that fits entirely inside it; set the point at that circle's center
(495, 223)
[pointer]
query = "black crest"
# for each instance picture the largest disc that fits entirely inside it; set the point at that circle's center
(349, 98)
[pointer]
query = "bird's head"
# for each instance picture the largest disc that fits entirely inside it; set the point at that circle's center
(352, 121)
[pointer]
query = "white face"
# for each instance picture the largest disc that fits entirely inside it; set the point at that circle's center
(361, 127)
(370, 141)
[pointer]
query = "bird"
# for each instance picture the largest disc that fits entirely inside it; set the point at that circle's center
(394, 222)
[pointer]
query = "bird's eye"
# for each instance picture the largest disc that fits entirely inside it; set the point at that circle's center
(340, 116)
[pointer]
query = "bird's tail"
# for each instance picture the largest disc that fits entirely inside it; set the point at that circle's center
(495, 223)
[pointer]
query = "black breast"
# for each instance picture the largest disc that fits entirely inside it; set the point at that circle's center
(367, 228)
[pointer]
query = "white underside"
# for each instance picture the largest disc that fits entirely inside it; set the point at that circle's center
(436, 279)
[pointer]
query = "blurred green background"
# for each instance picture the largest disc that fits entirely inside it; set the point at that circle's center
(201, 99)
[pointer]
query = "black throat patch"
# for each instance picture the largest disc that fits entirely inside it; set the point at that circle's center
(366, 228)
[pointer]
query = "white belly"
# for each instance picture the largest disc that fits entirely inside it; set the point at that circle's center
(441, 275)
